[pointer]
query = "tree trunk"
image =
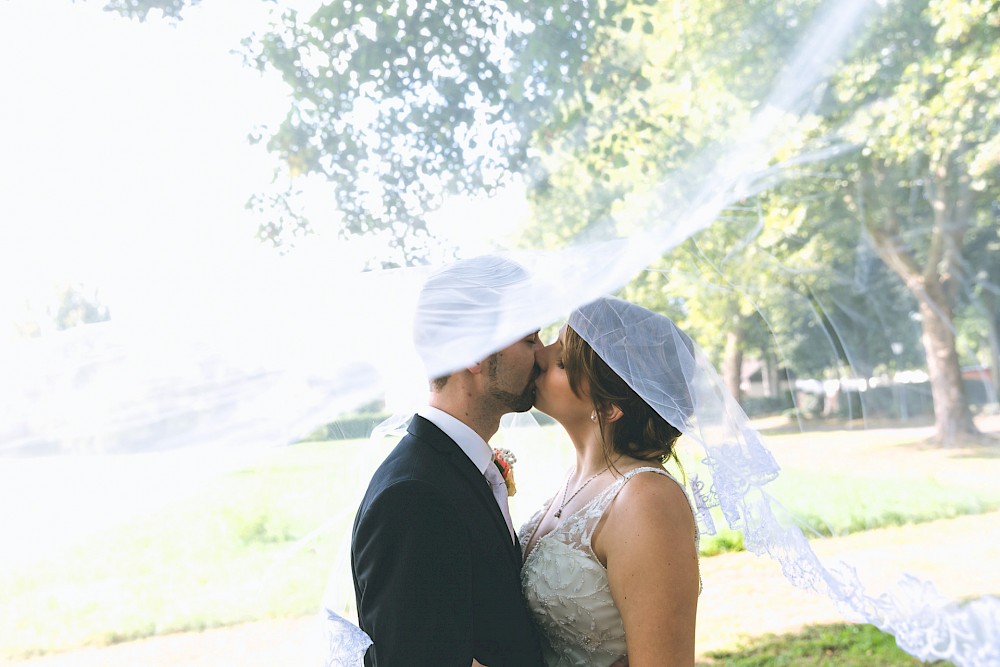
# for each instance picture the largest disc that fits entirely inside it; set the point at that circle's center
(934, 284)
(993, 331)
(952, 418)
(769, 372)
(732, 363)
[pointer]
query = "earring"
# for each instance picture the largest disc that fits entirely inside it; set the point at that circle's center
(593, 416)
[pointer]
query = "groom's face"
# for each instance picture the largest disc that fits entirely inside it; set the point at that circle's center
(511, 375)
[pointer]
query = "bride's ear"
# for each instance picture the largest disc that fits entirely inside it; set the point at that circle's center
(613, 414)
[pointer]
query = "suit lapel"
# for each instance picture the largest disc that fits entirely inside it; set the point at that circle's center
(470, 476)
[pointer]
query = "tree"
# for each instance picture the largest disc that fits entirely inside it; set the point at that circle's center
(926, 118)
(140, 9)
(673, 81)
(73, 304)
(983, 273)
(400, 104)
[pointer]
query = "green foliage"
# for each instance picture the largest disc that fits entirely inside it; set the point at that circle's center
(77, 306)
(73, 304)
(140, 9)
(810, 406)
(759, 406)
(725, 541)
(348, 427)
(260, 526)
(596, 104)
(841, 645)
(391, 101)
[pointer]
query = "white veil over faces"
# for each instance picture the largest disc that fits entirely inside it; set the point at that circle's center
(174, 427)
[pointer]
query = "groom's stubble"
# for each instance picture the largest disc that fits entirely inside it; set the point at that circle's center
(509, 401)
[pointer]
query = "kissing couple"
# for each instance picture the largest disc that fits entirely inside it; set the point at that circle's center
(606, 572)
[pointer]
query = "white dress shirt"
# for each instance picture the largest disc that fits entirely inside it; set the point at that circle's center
(478, 451)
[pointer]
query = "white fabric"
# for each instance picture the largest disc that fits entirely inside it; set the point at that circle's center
(345, 644)
(478, 451)
(566, 586)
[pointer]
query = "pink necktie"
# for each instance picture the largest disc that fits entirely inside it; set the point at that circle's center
(499, 489)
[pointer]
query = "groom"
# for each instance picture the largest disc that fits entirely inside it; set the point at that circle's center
(435, 559)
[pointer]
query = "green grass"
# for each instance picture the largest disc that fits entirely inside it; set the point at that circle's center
(252, 546)
(830, 486)
(825, 505)
(262, 542)
(841, 645)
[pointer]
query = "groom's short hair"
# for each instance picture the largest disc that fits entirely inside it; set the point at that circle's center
(463, 302)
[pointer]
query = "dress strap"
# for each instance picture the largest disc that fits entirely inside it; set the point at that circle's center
(604, 500)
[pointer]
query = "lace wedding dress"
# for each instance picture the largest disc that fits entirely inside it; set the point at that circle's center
(566, 587)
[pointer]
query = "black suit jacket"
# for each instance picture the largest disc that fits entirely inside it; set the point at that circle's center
(436, 575)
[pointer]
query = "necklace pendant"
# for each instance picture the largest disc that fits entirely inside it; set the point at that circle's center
(558, 513)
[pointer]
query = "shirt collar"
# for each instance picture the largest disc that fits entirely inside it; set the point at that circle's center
(467, 440)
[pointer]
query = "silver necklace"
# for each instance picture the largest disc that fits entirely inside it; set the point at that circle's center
(579, 489)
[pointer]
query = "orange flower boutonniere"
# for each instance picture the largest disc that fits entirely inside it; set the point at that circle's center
(505, 460)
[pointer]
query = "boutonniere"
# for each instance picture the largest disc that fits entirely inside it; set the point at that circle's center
(505, 460)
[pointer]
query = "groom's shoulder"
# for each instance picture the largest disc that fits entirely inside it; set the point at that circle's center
(411, 470)
(419, 455)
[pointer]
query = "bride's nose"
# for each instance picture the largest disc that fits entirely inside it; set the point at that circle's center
(540, 359)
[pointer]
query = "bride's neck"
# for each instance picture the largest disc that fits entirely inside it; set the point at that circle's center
(589, 446)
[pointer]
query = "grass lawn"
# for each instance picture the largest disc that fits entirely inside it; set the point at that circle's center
(841, 645)
(262, 542)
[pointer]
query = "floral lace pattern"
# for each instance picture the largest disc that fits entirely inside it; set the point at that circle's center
(346, 643)
(925, 623)
(566, 587)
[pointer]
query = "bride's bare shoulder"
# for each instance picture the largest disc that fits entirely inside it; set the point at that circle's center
(651, 499)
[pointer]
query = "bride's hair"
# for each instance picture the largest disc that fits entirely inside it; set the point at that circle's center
(640, 432)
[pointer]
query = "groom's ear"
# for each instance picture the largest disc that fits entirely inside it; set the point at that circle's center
(613, 414)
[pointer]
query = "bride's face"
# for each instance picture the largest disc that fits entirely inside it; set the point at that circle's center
(553, 395)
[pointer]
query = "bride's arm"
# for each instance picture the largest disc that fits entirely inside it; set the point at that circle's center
(647, 540)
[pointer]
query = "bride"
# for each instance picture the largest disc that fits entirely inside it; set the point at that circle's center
(611, 561)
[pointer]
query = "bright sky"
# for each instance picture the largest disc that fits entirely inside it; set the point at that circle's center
(124, 163)
(122, 144)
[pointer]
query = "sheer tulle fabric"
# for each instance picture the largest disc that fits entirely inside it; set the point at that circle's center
(186, 383)
(667, 369)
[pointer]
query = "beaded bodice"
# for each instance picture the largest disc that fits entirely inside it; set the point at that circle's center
(566, 586)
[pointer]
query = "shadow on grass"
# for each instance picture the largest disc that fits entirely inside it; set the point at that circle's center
(979, 446)
(783, 425)
(984, 445)
(842, 645)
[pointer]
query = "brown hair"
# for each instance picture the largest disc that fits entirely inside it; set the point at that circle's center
(640, 432)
